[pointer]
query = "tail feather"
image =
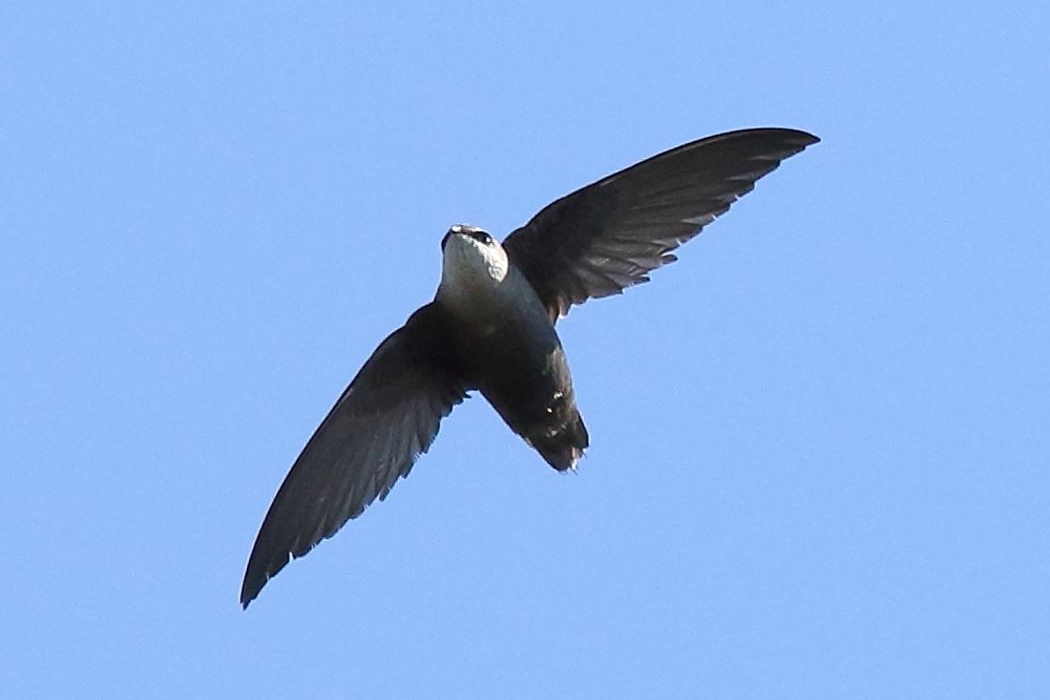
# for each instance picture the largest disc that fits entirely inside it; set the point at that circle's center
(563, 446)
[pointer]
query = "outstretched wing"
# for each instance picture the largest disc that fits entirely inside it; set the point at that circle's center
(611, 234)
(384, 420)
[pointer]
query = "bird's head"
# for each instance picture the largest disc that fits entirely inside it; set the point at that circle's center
(471, 259)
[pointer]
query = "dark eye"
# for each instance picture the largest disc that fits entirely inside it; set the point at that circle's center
(482, 236)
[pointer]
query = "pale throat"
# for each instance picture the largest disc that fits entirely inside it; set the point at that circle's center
(470, 266)
(476, 277)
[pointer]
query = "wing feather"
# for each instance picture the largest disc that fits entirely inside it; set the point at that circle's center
(384, 420)
(610, 235)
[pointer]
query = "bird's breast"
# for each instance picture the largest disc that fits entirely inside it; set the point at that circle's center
(500, 331)
(509, 350)
(488, 305)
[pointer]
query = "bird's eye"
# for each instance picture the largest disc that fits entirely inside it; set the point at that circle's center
(481, 236)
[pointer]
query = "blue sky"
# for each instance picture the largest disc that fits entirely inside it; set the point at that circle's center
(820, 461)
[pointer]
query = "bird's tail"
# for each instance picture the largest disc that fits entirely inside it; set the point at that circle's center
(564, 445)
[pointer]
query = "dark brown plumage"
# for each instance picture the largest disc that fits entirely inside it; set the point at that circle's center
(491, 328)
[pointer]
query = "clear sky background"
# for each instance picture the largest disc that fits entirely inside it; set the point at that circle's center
(821, 441)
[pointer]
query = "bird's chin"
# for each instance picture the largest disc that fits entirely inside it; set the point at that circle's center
(470, 264)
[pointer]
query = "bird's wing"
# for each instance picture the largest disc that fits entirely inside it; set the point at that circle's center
(384, 420)
(611, 234)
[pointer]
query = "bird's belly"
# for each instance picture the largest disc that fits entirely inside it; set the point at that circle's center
(506, 354)
(524, 376)
(509, 350)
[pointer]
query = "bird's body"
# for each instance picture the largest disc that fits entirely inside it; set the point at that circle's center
(491, 329)
(506, 346)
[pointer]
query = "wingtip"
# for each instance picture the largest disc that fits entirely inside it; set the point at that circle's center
(253, 583)
(798, 137)
(794, 141)
(247, 596)
(785, 135)
(810, 138)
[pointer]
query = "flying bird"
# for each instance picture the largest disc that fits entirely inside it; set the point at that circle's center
(491, 328)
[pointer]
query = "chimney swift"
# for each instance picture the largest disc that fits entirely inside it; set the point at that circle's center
(490, 328)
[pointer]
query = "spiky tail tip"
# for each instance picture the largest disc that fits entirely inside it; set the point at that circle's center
(564, 447)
